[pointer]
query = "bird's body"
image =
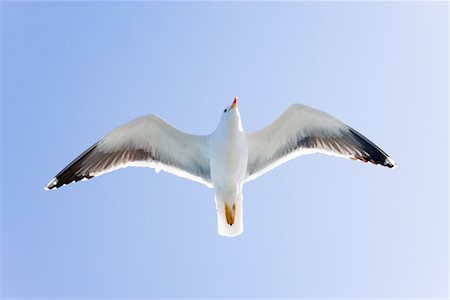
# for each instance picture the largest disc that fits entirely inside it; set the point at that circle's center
(225, 159)
(228, 161)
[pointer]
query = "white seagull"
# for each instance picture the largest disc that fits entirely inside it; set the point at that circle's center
(225, 159)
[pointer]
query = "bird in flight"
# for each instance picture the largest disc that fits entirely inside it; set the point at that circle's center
(225, 159)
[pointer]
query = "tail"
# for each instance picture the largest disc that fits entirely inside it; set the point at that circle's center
(229, 217)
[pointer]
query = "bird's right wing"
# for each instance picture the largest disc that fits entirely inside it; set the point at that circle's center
(147, 141)
(302, 130)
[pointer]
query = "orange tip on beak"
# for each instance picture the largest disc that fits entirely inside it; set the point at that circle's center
(234, 103)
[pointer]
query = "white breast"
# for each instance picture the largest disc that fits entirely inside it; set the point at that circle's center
(228, 154)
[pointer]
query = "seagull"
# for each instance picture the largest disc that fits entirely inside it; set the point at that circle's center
(225, 159)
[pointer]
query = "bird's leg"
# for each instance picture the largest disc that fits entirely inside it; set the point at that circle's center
(230, 214)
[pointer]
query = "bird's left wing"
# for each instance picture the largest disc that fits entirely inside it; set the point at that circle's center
(147, 141)
(302, 130)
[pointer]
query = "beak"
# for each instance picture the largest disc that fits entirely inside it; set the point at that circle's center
(234, 105)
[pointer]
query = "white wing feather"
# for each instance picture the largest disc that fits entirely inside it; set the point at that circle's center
(147, 141)
(303, 130)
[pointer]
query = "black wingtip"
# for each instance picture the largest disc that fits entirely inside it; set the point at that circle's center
(373, 153)
(71, 172)
(389, 163)
(53, 184)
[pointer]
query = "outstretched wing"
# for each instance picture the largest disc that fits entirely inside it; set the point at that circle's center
(303, 130)
(147, 141)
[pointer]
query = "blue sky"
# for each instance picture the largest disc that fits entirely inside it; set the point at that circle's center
(318, 226)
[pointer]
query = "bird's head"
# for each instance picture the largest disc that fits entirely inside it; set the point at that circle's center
(232, 109)
(231, 117)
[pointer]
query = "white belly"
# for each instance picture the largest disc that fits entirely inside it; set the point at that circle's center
(228, 160)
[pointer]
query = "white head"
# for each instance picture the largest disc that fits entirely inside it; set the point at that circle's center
(231, 117)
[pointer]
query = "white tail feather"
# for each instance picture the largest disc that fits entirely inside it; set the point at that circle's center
(224, 228)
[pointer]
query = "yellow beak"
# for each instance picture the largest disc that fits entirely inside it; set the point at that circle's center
(234, 104)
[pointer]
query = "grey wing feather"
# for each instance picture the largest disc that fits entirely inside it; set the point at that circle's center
(303, 130)
(147, 141)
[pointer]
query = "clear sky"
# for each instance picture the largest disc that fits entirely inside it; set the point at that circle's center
(318, 226)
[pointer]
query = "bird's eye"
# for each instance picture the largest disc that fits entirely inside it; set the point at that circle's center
(225, 110)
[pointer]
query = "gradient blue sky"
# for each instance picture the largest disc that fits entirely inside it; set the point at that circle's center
(318, 226)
